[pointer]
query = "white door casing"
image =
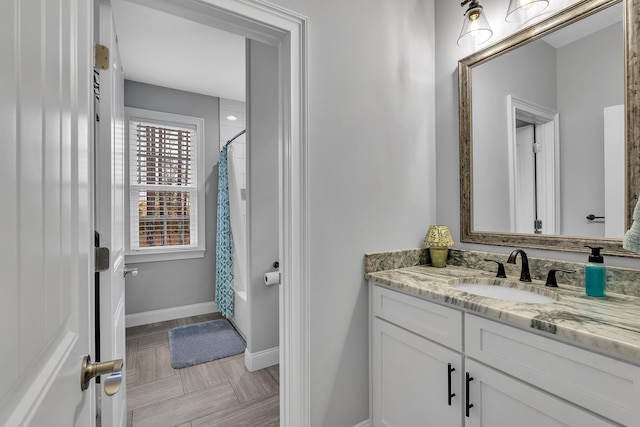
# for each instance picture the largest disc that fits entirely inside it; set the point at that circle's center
(47, 219)
(110, 211)
(274, 25)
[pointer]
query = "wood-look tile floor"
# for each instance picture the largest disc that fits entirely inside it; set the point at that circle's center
(222, 393)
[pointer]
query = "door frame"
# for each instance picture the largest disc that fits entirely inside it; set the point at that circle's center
(109, 220)
(539, 115)
(287, 31)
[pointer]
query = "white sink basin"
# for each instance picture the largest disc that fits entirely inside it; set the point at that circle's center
(505, 293)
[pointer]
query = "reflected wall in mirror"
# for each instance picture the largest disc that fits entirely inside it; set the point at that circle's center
(542, 132)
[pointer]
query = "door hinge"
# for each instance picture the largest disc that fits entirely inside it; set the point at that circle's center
(101, 57)
(537, 147)
(537, 226)
(102, 258)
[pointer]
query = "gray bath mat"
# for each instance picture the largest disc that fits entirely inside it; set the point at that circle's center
(203, 342)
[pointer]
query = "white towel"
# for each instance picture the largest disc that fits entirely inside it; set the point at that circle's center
(631, 239)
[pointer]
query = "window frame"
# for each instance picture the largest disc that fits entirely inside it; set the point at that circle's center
(167, 253)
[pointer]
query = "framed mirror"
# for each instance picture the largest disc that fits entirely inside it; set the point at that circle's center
(550, 132)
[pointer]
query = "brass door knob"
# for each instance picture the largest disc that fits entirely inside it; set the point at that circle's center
(91, 370)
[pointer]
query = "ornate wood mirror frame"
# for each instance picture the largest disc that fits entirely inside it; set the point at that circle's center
(563, 18)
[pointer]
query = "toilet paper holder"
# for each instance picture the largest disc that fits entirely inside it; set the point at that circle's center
(273, 277)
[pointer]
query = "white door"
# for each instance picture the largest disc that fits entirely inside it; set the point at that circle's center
(412, 380)
(525, 180)
(546, 177)
(110, 215)
(46, 256)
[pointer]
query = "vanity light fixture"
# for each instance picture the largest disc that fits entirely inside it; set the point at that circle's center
(475, 27)
(523, 10)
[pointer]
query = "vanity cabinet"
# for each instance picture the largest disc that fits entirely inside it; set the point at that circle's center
(502, 376)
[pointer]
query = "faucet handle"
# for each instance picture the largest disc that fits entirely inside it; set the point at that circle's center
(551, 277)
(501, 273)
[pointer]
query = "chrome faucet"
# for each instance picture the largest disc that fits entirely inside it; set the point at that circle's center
(525, 276)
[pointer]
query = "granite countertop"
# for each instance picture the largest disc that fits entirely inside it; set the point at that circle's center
(610, 324)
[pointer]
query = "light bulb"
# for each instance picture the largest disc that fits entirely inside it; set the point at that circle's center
(475, 27)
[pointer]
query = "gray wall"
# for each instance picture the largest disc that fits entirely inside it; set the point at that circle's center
(262, 204)
(371, 173)
(449, 19)
(516, 73)
(588, 63)
(169, 284)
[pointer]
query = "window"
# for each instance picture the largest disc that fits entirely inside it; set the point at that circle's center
(166, 186)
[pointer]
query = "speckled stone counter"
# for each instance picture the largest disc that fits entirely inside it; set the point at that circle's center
(610, 324)
(619, 280)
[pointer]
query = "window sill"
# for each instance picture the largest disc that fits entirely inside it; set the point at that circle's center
(149, 256)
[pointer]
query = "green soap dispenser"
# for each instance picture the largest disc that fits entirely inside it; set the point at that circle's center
(595, 274)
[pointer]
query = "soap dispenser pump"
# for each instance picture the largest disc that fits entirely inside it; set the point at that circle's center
(595, 274)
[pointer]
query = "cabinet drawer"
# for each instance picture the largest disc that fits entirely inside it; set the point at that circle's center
(602, 384)
(432, 321)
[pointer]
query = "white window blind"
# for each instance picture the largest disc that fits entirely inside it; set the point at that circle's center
(163, 185)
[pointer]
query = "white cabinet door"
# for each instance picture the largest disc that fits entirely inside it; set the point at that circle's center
(410, 380)
(501, 401)
(586, 379)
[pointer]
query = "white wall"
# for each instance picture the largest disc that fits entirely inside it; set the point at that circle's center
(449, 20)
(371, 174)
(167, 284)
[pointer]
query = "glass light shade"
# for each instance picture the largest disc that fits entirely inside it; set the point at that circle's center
(475, 28)
(438, 235)
(523, 10)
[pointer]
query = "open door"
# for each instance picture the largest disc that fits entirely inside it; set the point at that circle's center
(46, 256)
(110, 198)
(525, 180)
(533, 147)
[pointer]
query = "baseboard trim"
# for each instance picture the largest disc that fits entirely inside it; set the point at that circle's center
(365, 423)
(144, 318)
(261, 359)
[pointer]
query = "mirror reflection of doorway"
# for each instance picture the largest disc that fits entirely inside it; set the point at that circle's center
(526, 208)
(533, 169)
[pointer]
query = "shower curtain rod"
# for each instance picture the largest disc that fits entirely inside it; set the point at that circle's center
(232, 139)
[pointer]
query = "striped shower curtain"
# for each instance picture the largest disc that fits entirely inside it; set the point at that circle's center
(224, 242)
